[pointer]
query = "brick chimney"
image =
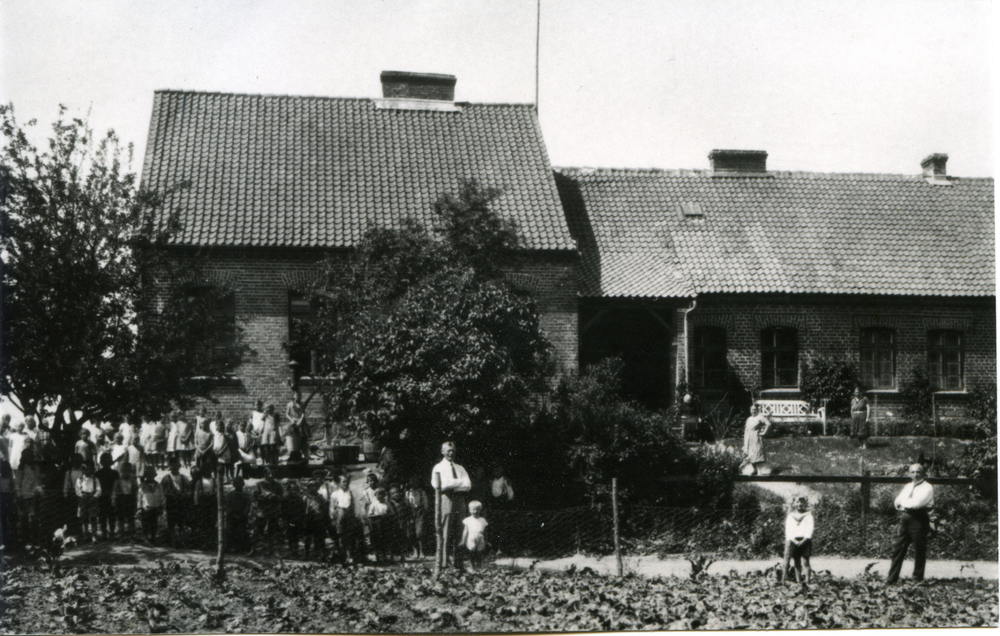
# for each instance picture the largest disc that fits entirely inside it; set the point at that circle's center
(403, 85)
(738, 162)
(935, 165)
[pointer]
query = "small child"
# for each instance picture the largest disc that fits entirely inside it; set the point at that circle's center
(124, 497)
(402, 527)
(105, 511)
(238, 517)
(151, 502)
(798, 539)
(474, 534)
(88, 489)
(417, 500)
(315, 525)
(344, 522)
(380, 526)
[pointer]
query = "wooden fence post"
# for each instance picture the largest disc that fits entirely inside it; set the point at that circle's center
(221, 477)
(614, 512)
(438, 529)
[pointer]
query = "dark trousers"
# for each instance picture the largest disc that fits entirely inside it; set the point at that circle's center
(913, 528)
(150, 519)
(452, 509)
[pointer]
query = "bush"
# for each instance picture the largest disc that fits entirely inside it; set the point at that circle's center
(717, 465)
(829, 381)
(916, 394)
(982, 405)
(604, 436)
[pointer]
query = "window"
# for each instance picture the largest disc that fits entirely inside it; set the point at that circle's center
(300, 314)
(709, 360)
(944, 360)
(219, 310)
(779, 350)
(878, 358)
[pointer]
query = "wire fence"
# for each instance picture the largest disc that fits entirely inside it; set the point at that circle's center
(962, 533)
(966, 528)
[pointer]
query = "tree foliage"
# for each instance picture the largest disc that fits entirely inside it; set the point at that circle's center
(419, 330)
(85, 334)
(830, 381)
(604, 436)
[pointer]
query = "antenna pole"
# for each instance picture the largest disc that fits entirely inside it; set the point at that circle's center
(538, 37)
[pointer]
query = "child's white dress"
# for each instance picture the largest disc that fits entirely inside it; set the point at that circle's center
(476, 527)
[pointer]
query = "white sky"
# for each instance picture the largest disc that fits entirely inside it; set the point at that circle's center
(830, 86)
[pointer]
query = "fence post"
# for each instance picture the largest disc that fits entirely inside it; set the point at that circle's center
(866, 500)
(221, 477)
(438, 529)
(614, 512)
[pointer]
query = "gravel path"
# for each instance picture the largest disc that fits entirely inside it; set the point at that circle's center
(845, 568)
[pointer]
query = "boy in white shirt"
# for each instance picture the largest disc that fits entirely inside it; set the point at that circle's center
(474, 534)
(798, 539)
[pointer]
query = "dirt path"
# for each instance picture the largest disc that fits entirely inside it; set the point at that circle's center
(653, 567)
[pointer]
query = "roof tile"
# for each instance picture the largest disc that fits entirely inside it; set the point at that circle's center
(805, 232)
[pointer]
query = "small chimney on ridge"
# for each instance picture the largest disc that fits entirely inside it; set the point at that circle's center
(738, 162)
(432, 86)
(935, 165)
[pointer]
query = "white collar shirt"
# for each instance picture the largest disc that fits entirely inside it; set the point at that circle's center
(916, 497)
(451, 477)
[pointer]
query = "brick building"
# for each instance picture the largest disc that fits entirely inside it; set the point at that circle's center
(686, 274)
(689, 273)
(273, 184)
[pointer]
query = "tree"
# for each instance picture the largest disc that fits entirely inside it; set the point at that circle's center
(96, 324)
(603, 436)
(421, 332)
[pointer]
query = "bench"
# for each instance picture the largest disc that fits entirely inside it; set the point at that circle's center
(792, 412)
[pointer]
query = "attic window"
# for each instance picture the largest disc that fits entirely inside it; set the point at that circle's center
(691, 210)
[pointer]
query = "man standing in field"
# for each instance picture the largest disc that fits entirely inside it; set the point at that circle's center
(453, 482)
(914, 503)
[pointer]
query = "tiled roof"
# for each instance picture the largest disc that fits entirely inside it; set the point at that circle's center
(784, 232)
(319, 172)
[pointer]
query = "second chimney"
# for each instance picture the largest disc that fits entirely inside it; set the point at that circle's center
(935, 165)
(726, 162)
(430, 86)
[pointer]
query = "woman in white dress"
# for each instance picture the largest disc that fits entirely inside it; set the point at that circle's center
(753, 445)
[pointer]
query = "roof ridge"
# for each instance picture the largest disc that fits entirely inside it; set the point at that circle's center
(181, 91)
(802, 174)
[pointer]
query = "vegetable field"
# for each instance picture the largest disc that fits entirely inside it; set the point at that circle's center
(185, 598)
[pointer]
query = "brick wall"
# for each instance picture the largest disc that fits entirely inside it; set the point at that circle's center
(831, 327)
(263, 278)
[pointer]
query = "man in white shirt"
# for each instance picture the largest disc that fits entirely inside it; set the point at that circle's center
(453, 482)
(915, 503)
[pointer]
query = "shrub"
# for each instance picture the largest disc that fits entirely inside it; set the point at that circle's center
(916, 395)
(982, 405)
(605, 436)
(829, 381)
(717, 465)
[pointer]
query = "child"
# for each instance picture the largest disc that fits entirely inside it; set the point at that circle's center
(88, 489)
(379, 526)
(177, 491)
(124, 496)
(85, 448)
(293, 512)
(402, 527)
(237, 518)
(151, 502)
(105, 513)
(474, 534)
(798, 539)
(417, 500)
(344, 522)
(316, 516)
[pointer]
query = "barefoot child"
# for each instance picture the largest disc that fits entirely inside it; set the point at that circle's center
(474, 534)
(798, 539)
